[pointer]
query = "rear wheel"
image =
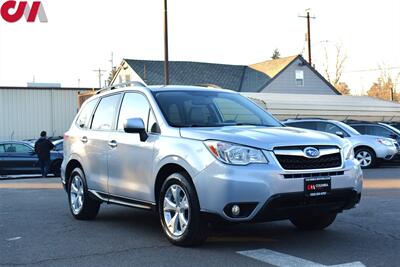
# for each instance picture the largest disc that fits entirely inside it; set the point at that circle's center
(179, 212)
(81, 205)
(366, 157)
(313, 222)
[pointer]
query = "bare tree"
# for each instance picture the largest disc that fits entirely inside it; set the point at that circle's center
(334, 76)
(385, 86)
(111, 75)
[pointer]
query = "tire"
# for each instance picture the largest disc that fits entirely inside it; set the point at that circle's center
(314, 222)
(189, 229)
(56, 168)
(82, 206)
(366, 157)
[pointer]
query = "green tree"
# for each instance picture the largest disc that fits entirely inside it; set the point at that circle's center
(276, 54)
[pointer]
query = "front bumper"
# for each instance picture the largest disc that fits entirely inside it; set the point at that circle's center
(386, 152)
(286, 206)
(260, 185)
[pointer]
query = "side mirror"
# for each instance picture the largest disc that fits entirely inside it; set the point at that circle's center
(340, 134)
(136, 125)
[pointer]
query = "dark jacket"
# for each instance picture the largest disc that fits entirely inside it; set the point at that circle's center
(42, 148)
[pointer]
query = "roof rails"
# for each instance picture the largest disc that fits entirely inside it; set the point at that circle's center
(306, 118)
(121, 85)
(358, 121)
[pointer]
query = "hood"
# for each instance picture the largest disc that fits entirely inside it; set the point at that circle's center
(262, 137)
(365, 139)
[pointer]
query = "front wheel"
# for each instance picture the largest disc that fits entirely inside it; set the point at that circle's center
(313, 222)
(366, 157)
(81, 205)
(179, 212)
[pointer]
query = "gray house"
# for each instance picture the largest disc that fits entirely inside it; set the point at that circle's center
(289, 75)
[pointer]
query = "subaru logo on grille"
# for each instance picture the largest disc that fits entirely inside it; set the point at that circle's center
(311, 152)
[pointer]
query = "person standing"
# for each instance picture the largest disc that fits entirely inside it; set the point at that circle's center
(42, 148)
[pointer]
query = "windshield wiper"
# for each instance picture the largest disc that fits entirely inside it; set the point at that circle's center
(250, 124)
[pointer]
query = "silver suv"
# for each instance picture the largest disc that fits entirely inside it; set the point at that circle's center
(368, 149)
(196, 155)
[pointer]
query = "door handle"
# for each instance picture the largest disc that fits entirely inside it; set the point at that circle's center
(84, 139)
(112, 143)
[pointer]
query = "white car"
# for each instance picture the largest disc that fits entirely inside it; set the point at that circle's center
(368, 149)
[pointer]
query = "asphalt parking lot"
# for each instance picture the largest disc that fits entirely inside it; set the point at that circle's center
(37, 229)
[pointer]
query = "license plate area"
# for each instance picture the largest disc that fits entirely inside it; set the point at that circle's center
(319, 186)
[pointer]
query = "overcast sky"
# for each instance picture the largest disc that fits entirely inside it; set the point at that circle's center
(80, 36)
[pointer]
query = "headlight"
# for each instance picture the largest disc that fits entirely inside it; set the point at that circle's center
(235, 154)
(386, 142)
(348, 151)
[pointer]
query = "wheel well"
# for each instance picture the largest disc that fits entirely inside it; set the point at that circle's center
(163, 174)
(365, 147)
(70, 167)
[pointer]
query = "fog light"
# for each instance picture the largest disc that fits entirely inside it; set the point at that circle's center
(235, 210)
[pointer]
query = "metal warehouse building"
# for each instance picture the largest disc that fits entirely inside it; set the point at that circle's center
(336, 107)
(26, 111)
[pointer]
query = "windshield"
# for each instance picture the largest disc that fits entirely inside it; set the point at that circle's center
(211, 109)
(350, 130)
(391, 128)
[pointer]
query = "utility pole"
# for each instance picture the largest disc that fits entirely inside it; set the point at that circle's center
(99, 74)
(112, 61)
(166, 63)
(308, 34)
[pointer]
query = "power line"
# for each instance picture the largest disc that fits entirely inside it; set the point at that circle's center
(376, 69)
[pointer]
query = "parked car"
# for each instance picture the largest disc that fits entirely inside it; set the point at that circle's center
(368, 149)
(193, 154)
(18, 157)
(395, 125)
(378, 129)
(59, 145)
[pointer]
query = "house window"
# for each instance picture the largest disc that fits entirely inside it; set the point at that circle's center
(299, 78)
(127, 78)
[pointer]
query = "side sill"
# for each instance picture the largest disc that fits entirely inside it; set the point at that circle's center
(133, 203)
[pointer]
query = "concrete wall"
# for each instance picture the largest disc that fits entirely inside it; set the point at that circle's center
(25, 112)
(285, 82)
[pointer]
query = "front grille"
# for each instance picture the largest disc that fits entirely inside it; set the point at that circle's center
(302, 163)
(312, 175)
(293, 158)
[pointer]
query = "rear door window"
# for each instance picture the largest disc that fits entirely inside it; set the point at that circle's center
(104, 116)
(17, 148)
(360, 128)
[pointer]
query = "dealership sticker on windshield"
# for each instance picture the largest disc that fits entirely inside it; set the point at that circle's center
(314, 187)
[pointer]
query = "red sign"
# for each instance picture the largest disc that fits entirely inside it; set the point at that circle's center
(13, 11)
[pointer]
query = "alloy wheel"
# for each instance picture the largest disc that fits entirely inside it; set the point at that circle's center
(176, 210)
(76, 194)
(365, 158)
